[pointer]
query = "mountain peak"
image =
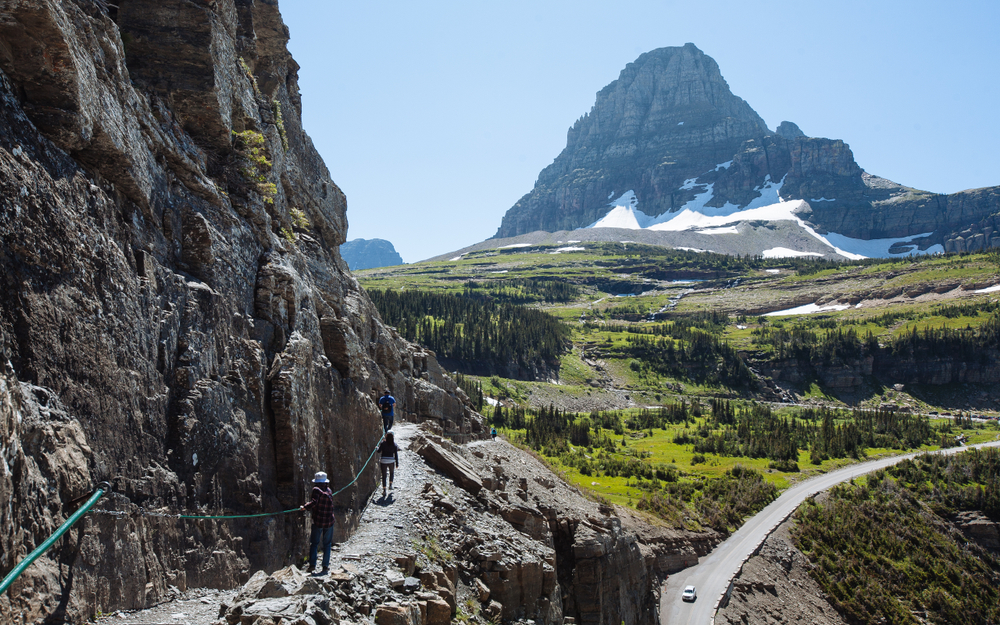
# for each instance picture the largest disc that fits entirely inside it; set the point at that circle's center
(669, 131)
(669, 112)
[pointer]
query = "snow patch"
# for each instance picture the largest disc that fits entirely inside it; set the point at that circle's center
(623, 214)
(620, 217)
(878, 247)
(723, 230)
(680, 123)
(772, 270)
(504, 271)
(490, 401)
(723, 165)
(822, 199)
(784, 252)
(989, 289)
(568, 249)
(514, 245)
(692, 249)
(808, 309)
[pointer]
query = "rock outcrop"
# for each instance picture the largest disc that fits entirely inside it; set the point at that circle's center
(369, 254)
(842, 374)
(175, 317)
(607, 562)
(670, 130)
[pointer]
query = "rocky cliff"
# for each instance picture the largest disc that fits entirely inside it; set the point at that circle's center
(669, 130)
(369, 253)
(175, 317)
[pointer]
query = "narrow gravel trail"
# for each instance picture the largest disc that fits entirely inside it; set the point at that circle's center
(390, 526)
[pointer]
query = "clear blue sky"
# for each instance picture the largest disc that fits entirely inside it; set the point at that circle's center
(435, 117)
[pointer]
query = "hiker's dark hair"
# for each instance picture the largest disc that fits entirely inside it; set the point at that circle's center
(389, 436)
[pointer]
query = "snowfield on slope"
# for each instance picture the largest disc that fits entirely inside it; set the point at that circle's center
(697, 217)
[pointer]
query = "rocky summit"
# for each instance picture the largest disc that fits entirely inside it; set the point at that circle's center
(669, 136)
(369, 254)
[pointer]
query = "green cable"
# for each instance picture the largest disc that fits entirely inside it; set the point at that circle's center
(362, 466)
(249, 516)
(104, 486)
(16, 572)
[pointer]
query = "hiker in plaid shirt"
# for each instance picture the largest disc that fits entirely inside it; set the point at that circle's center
(321, 505)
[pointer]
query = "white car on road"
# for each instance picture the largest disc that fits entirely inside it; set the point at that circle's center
(689, 594)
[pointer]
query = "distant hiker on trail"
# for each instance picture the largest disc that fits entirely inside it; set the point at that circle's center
(385, 404)
(321, 505)
(388, 459)
(493, 433)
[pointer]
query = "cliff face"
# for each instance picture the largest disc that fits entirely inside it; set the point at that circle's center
(852, 374)
(175, 316)
(670, 130)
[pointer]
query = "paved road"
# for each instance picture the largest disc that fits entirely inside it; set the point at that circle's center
(712, 575)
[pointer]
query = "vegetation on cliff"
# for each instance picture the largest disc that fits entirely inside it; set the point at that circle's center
(885, 551)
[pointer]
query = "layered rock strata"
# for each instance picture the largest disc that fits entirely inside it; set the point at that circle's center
(175, 317)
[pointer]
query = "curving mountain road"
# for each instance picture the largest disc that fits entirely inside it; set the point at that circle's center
(713, 573)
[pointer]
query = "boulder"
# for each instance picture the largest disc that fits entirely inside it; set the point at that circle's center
(432, 449)
(438, 612)
(395, 614)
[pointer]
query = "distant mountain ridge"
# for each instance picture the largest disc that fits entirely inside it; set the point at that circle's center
(670, 132)
(369, 254)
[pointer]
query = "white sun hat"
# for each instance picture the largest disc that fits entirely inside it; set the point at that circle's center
(321, 478)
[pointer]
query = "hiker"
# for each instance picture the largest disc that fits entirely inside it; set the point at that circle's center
(493, 433)
(388, 459)
(385, 404)
(321, 505)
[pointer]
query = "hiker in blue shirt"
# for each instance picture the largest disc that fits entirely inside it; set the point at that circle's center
(385, 404)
